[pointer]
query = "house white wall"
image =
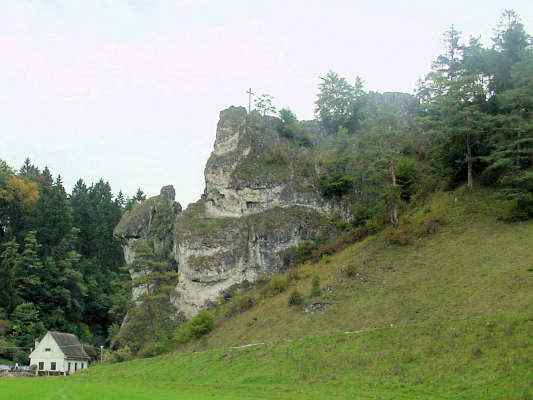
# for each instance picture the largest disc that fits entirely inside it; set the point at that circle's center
(47, 352)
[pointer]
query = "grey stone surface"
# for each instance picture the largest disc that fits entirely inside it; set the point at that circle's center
(253, 209)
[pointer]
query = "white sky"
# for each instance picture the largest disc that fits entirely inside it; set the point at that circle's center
(130, 90)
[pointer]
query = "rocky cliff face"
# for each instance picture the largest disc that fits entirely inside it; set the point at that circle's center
(260, 199)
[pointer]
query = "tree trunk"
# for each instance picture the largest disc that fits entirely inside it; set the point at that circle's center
(393, 206)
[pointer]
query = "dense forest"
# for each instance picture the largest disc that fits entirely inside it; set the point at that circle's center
(470, 123)
(60, 267)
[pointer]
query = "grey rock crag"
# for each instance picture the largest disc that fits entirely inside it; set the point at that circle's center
(260, 199)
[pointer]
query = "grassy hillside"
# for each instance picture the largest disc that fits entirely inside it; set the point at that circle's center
(447, 316)
(472, 266)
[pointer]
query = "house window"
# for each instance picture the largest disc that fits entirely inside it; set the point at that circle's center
(75, 366)
(52, 366)
(68, 367)
(41, 366)
(48, 349)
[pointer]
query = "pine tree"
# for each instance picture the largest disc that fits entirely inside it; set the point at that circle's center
(26, 325)
(9, 264)
(5, 172)
(454, 98)
(509, 43)
(30, 171)
(30, 269)
(53, 215)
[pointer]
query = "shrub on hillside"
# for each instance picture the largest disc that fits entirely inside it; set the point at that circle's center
(316, 290)
(293, 275)
(240, 304)
(362, 213)
(277, 155)
(339, 243)
(299, 253)
(318, 250)
(291, 129)
(4, 327)
(278, 284)
(350, 270)
(195, 328)
(335, 184)
(295, 299)
(122, 354)
(406, 175)
(430, 226)
(398, 236)
(154, 349)
(521, 207)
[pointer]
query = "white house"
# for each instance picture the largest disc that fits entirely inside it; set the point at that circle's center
(59, 352)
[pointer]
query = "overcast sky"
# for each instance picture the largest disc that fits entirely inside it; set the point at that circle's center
(130, 90)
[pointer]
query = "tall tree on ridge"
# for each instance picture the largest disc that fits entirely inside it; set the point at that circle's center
(509, 42)
(9, 265)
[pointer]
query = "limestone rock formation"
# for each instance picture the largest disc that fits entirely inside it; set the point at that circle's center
(260, 199)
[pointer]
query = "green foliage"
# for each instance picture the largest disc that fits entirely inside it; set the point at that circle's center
(152, 318)
(122, 354)
(316, 290)
(400, 236)
(9, 265)
(240, 303)
(139, 198)
(198, 326)
(5, 172)
(350, 270)
(155, 348)
(335, 180)
(299, 253)
(26, 325)
(338, 103)
(407, 177)
(521, 208)
(291, 129)
(264, 104)
(480, 129)
(276, 285)
(335, 184)
(295, 299)
(287, 117)
(277, 155)
(57, 253)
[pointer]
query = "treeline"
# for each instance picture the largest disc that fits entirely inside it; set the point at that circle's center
(60, 267)
(470, 123)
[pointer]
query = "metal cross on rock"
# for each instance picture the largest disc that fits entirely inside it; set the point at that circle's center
(250, 94)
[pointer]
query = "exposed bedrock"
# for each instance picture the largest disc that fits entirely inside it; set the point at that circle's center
(260, 199)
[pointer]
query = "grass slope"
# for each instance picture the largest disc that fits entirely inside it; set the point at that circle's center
(446, 317)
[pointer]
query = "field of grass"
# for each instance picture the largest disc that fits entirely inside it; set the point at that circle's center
(449, 316)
